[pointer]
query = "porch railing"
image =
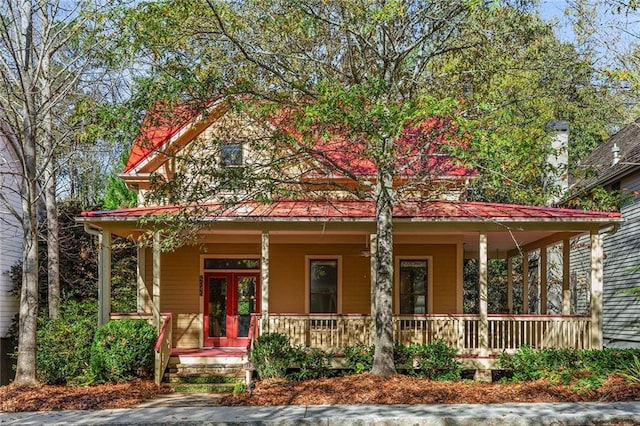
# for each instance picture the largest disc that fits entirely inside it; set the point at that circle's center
(505, 332)
(163, 347)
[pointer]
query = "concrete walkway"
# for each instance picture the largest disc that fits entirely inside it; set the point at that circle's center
(621, 413)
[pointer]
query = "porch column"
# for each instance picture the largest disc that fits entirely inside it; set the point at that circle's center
(525, 282)
(373, 245)
(596, 290)
(143, 296)
(264, 281)
(566, 277)
(104, 277)
(510, 284)
(483, 327)
(155, 305)
(543, 280)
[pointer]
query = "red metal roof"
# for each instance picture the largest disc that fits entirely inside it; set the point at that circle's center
(418, 147)
(328, 210)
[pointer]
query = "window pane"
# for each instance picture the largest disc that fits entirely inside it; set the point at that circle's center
(323, 286)
(413, 286)
(231, 264)
(231, 154)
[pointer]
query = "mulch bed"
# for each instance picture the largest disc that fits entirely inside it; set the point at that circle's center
(357, 389)
(400, 389)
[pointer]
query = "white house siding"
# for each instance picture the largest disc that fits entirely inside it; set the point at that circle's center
(10, 238)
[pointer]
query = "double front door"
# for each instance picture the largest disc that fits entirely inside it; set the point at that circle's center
(229, 300)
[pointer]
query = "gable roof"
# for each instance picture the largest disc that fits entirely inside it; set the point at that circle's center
(161, 127)
(599, 162)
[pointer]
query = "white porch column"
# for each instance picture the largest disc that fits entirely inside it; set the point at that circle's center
(264, 280)
(373, 245)
(155, 309)
(510, 284)
(596, 290)
(483, 327)
(566, 277)
(104, 277)
(525, 282)
(143, 296)
(543, 280)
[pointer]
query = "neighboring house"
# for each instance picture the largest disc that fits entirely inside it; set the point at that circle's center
(10, 253)
(615, 166)
(303, 267)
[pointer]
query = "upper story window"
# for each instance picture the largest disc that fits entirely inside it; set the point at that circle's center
(231, 154)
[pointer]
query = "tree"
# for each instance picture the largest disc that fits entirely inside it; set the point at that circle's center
(342, 71)
(44, 56)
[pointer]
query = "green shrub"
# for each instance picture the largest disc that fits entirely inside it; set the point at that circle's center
(64, 344)
(312, 363)
(403, 357)
(359, 358)
(631, 371)
(122, 350)
(272, 355)
(437, 361)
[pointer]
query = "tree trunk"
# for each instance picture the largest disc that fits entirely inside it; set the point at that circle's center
(26, 363)
(383, 364)
(49, 145)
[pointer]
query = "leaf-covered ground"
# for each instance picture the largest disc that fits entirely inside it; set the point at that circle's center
(400, 389)
(49, 398)
(358, 389)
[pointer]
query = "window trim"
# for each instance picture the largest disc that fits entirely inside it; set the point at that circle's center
(396, 278)
(307, 280)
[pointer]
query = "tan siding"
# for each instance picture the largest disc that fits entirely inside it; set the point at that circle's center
(181, 274)
(445, 272)
(287, 276)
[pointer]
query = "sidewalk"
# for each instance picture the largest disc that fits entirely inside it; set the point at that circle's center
(620, 413)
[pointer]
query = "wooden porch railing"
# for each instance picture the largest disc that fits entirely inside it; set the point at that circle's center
(163, 347)
(505, 332)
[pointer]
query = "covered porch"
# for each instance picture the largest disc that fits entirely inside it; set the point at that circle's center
(276, 247)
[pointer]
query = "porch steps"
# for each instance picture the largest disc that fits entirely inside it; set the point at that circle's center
(204, 374)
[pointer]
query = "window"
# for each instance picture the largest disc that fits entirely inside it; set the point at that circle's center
(323, 286)
(231, 154)
(231, 264)
(414, 285)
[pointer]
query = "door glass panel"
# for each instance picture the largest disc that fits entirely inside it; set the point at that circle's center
(218, 307)
(246, 303)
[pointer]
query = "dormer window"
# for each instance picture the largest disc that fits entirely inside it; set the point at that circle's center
(231, 154)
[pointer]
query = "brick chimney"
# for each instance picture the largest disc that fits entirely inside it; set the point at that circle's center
(558, 159)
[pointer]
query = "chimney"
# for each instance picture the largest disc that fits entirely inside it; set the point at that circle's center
(615, 150)
(558, 159)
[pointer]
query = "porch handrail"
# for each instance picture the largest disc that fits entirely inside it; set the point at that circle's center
(162, 348)
(252, 331)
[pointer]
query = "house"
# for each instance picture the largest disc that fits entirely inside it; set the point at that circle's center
(615, 166)
(303, 266)
(10, 253)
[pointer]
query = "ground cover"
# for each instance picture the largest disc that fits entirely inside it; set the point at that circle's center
(356, 389)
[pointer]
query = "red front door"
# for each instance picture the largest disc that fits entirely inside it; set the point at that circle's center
(229, 300)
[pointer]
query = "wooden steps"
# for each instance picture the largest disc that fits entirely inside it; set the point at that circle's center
(205, 374)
